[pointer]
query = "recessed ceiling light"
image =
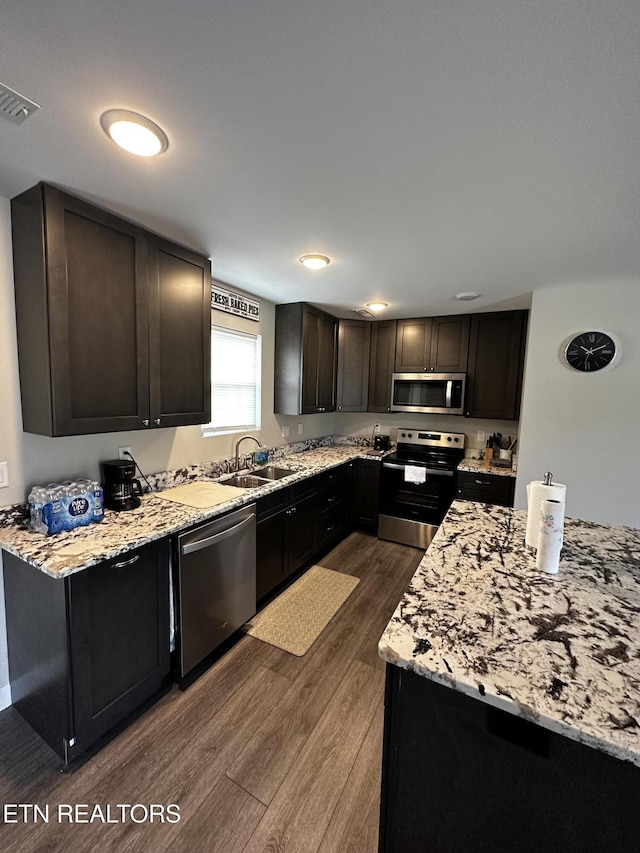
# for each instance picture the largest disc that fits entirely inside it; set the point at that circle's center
(314, 262)
(133, 132)
(377, 306)
(467, 295)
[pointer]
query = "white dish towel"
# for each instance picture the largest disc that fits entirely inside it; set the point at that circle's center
(415, 474)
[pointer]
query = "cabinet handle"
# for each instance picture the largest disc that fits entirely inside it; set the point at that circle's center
(294, 510)
(483, 482)
(126, 562)
(331, 499)
(146, 422)
(157, 421)
(339, 408)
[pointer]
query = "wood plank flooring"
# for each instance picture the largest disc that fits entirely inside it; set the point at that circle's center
(264, 752)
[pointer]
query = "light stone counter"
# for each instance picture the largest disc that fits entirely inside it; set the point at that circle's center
(476, 466)
(561, 650)
(119, 532)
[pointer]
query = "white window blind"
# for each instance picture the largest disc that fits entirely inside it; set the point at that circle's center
(235, 381)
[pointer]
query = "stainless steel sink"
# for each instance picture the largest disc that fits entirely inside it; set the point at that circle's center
(257, 478)
(271, 472)
(244, 481)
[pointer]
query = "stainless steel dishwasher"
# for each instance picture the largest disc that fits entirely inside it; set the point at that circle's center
(216, 583)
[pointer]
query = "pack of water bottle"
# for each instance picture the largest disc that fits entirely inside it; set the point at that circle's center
(65, 506)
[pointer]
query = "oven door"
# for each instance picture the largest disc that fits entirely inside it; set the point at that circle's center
(425, 502)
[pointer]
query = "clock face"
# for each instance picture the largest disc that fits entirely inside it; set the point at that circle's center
(590, 351)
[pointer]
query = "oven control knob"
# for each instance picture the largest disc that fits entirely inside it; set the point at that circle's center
(409, 435)
(449, 438)
(403, 435)
(456, 440)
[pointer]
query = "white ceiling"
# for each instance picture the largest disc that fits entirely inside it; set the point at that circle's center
(427, 146)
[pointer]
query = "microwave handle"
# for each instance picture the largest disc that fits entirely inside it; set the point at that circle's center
(449, 393)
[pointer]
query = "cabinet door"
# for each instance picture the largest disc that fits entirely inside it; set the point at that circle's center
(119, 638)
(301, 534)
(270, 553)
(449, 344)
(367, 494)
(327, 352)
(82, 316)
(310, 355)
(413, 345)
(496, 360)
(180, 335)
(381, 364)
(353, 365)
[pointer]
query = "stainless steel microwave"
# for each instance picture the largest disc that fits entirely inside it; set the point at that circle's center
(434, 393)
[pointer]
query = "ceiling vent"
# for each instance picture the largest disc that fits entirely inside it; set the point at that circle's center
(15, 106)
(363, 312)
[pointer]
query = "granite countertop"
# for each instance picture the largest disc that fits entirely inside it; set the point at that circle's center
(561, 650)
(66, 553)
(476, 466)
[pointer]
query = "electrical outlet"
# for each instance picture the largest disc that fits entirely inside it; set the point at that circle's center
(4, 475)
(481, 435)
(122, 453)
(285, 432)
(300, 429)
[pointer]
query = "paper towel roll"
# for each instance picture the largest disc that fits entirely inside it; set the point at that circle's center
(536, 493)
(550, 536)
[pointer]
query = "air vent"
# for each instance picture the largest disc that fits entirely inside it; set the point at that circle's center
(362, 312)
(15, 106)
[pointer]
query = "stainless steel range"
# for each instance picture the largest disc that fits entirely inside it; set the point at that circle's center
(418, 485)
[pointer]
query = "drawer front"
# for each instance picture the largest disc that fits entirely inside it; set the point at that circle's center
(332, 524)
(487, 488)
(304, 487)
(272, 504)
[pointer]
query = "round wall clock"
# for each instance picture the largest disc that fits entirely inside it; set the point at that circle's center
(590, 351)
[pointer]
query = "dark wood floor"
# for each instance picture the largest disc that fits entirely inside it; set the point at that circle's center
(265, 751)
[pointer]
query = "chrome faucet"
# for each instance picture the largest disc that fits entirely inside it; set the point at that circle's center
(237, 447)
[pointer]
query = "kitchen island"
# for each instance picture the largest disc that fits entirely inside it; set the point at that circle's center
(513, 702)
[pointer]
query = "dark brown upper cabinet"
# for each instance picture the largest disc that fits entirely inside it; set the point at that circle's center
(113, 322)
(449, 344)
(305, 360)
(496, 362)
(381, 362)
(353, 365)
(438, 344)
(179, 335)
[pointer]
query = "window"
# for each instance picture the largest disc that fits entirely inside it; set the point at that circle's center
(235, 381)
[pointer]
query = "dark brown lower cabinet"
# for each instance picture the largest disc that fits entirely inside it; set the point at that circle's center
(294, 524)
(459, 775)
(485, 487)
(366, 494)
(87, 650)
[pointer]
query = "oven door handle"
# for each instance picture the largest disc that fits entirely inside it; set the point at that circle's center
(433, 471)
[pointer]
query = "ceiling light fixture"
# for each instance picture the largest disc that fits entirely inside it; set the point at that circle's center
(135, 133)
(467, 295)
(377, 306)
(314, 262)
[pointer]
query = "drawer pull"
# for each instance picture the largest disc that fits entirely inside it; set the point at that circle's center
(126, 562)
(483, 482)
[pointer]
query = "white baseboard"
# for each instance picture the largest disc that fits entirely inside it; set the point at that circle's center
(5, 696)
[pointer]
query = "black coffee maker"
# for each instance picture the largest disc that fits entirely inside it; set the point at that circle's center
(119, 484)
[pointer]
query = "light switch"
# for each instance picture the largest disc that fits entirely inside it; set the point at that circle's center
(285, 432)
(480, 435)
(299, 429)
(4, 475)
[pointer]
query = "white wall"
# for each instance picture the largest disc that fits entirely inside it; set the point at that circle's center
(584, 427)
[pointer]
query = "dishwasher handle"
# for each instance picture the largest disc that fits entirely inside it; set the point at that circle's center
(218, 537)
